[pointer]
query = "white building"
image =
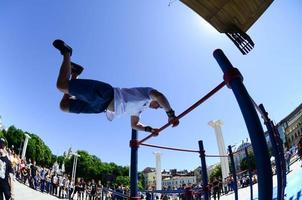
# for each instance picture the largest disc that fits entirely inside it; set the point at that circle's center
(149, 177)
(178, 181)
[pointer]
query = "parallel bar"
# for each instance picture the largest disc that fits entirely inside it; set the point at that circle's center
(169, 148)
(217, 156)
(183, 150)
(203, 99)
(263, 165)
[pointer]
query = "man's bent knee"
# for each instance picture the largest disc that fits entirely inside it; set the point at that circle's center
(63, 86)
(64, 105)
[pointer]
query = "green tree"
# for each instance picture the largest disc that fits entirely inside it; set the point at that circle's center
(89, 166)
(216, 172)
(38, 151)
(14, 137)
(2, 133)
(244, 163)
(122, 180)
(141, 181)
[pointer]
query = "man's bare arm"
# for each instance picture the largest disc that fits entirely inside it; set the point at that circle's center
(137, 125)
(161, 99)
(164, 103)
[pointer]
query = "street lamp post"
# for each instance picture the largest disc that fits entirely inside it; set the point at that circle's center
(74, 167)
(27, 137)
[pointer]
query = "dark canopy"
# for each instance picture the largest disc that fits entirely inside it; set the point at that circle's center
(226, 14)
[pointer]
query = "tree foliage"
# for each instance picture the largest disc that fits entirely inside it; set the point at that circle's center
(91, 167)
(88, 167)
(36, 148)
(244, 162)
(216, 173)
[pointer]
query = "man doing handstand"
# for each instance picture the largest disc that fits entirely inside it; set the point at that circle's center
(92, 96)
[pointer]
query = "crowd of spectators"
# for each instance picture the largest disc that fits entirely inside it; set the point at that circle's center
(52, 182)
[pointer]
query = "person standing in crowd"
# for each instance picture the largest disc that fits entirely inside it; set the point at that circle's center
(66, 186)
(287, 157)
(99, 189)
(189, 192)
(299, 147)
(48, 182)
(6, 173)
(61, 185)
(55, 184)
(216, 189)
(43, 174)
(148, 194)
(82, 187)
(33, 174)
(93, 189)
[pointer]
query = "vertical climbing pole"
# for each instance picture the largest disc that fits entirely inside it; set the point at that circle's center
(204, 170)
(277, 151)
(233, 171)
(133, 166)
(234, 80)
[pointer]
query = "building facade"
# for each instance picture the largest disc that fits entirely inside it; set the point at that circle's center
(175, 182)
(149, 174)
(239, 154)
(291, 127)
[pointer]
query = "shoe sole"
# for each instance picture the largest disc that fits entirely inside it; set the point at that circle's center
(62, 47)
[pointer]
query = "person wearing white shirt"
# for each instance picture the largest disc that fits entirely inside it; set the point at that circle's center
(92, 96)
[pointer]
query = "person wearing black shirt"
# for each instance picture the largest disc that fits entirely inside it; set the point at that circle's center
(299, 146)
(33, 174)
(6, 173)
(93, 189)
(216, 189)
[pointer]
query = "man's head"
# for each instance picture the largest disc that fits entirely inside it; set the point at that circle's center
(154, 104)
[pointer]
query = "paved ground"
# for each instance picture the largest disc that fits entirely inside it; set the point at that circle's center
(293, 189)
(23, 192)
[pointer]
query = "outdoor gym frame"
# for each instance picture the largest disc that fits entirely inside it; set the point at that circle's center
(234, 80)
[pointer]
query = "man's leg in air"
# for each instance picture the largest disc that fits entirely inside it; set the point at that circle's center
(65, 70)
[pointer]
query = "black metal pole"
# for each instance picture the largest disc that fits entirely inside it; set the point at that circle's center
(233, 171)
(133, 166)
(203, 170)
(234, 80)
(249, 164)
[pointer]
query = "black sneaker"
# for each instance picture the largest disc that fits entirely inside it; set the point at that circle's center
(62, 47)
(75, 68)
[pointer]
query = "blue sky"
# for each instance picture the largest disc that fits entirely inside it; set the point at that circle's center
(142, 43)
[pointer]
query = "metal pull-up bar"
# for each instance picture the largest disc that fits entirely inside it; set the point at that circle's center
(203, 99)
(233, 79)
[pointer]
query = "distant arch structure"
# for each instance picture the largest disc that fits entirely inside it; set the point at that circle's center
(232, 17)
